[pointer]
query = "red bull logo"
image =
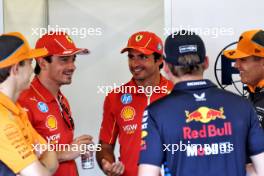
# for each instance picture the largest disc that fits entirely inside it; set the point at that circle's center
(204, 115)
(208, 131)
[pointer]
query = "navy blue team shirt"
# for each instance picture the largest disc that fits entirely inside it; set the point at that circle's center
(200, 130)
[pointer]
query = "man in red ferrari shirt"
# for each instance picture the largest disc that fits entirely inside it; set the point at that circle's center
(48, 109)
(124, 106)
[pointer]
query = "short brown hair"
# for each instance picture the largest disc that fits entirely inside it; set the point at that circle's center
(37, 68)
(5, 72)
(189, 64)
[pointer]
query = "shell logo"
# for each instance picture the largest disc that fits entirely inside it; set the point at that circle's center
(51, 122)
(128, 113)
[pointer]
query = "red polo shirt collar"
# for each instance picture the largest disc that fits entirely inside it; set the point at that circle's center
(42, 91)
(163, 82)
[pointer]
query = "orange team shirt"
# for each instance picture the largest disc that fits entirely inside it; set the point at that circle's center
(17, 136)
(122, 117)
(45, 114)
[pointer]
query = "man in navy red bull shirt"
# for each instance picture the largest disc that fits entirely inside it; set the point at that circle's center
(198, 130)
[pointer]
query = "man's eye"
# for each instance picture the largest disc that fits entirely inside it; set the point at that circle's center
(64, 59)
(130, 56)
(143, 57)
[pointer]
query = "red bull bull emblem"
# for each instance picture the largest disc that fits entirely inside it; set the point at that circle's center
(204, 115)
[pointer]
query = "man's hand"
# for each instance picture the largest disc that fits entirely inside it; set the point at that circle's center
(80, 143)
(112, 169)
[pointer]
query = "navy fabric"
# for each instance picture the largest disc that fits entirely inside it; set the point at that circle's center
(5, 171)
(201, 130)
(9, 45)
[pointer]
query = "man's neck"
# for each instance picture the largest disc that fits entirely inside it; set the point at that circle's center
(176, 80)
(258, 85)
(50, 85)
(9, 89)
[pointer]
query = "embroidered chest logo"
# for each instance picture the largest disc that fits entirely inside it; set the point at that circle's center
(51, 122)
(43, 107)
(128, 113)
(204, 115)
(126, 98)
(199, 97)
(130, 129)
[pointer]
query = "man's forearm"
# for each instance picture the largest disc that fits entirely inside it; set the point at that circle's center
(258, 163)
(66, 156)
(148, 170)
(105, 154)
(50, 161)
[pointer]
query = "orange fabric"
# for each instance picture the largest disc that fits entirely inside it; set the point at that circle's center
(260, 85)
(17, 136)
(23, 52)
(246, 47)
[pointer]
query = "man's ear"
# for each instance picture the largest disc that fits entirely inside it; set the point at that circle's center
(14, 69)
(169, 75)
(166, 67)
(262, 64)
(42, 63)
(160, 60)
(206, 62)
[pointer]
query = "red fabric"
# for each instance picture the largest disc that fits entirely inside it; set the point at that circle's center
(118, 121)
(48, 121)
(59, 44)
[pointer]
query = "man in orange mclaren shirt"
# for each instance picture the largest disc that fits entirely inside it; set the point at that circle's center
(249, 60)
(124, 106)
(48, 109)
(19, 151)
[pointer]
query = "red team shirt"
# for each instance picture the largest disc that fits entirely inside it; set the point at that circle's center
(45, 114)
(122, 118)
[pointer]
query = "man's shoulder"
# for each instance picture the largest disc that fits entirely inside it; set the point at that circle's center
(6, 118)
(229, 97)
(166, 101)
(28, 97)
(4, 112)
(216, 95)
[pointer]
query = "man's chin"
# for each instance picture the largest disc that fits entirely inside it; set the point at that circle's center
(139, 79)
(138, 76)
(66, 82)
(244, 81)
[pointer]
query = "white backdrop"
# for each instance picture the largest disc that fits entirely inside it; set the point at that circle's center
(110, 23)
(25, 16)
(1, 17)
(219, 23)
